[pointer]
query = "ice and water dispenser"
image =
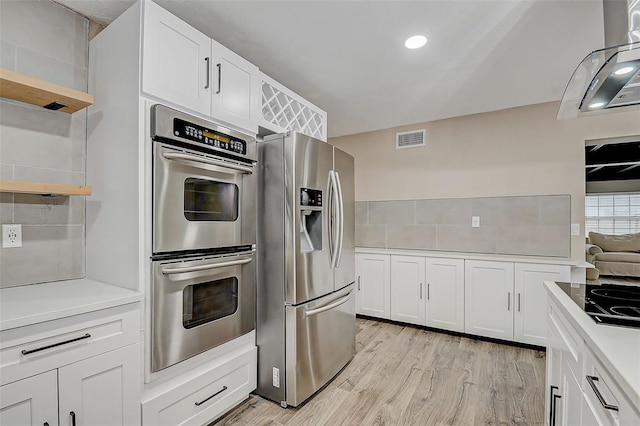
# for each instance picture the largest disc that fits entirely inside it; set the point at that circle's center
(310, 220)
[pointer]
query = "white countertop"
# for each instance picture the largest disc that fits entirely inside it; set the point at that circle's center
(618, 348)
(476, 256)
(25, 305)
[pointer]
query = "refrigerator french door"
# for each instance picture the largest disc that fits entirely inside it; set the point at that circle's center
(306, 266)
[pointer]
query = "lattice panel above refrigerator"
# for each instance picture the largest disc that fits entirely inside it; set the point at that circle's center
(281, 108)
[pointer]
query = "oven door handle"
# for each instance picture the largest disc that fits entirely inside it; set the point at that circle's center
(180, 156)
(171, 271)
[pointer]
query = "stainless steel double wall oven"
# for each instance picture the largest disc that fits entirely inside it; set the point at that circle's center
(204, 233)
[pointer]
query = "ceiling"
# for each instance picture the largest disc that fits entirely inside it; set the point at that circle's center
(348, 58)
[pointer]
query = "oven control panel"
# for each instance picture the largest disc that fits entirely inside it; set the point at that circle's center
(193, 132)
(310, 197)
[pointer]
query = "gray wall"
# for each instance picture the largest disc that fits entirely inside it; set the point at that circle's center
(47, 41)
(527, 225)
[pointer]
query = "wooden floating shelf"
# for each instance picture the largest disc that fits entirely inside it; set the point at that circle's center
(43, 188)
(31, 90)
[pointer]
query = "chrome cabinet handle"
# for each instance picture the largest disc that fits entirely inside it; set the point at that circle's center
(207, 61)
(219, 78)
(324, 308)
(420, 290)
(73, 418)
(180, 270)
(180, 156)
(518, 302)
(428, 291)
(358, 283)
(508, 301)
(30, 351)
(592, 382)
(224, 388)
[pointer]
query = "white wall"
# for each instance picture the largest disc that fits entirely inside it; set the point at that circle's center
(518, 151)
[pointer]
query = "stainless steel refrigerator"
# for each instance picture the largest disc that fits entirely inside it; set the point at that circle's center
(306, 266)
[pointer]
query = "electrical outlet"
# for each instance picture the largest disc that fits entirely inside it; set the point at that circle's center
(475, 221)
(276, 377)
(11, 235)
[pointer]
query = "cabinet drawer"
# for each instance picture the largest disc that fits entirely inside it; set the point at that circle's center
(600, 389)
(36, 348)
(571, 345)
(206, 396)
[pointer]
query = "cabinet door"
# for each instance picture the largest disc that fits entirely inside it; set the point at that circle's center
(569, 405)
(445, 294)
(373, 285)
(102, 390)
(176, 61)
(31, 401)
(553, 373)
(489, 299)
(235, 89)
(408, 293)
(531, 305)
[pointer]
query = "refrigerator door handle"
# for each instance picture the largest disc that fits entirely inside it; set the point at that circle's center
(340, 219)
(310, 312)
(334, 228)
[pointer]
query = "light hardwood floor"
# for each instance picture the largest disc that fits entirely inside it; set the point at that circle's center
(405, 375)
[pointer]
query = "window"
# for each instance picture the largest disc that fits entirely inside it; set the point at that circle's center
(612, 213)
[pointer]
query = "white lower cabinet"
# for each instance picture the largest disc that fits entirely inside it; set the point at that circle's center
(205, 393)
(498, 299)
(489, 299)
(580, 390)
(373, 284)
(78, 370)
(531, 304)
(101, 390)
(408, 292)
(445, 293)
(32, 401)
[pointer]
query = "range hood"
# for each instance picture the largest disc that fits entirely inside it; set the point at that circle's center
(608, 79)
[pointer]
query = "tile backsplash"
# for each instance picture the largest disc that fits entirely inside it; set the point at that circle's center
(42, 39)
(524, 225)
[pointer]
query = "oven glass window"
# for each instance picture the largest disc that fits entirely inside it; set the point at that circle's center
(209, 301)
(209, 200)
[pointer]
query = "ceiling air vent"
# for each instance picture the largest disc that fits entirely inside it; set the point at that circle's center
(412, 139)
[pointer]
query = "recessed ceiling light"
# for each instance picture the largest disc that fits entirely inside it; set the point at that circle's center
(415, 42)
(596, 105)
(625, 70)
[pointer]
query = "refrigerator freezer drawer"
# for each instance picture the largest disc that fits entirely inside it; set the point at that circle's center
(320, 338)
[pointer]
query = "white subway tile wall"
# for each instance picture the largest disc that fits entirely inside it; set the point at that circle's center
(46, 41)
(527, 225)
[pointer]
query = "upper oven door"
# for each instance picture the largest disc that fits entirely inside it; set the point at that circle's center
(198, 200)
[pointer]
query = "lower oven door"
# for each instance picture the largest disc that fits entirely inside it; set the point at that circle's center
(199, 200)
(199, 304)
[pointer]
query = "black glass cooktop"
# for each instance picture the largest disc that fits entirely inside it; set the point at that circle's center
(611, 304)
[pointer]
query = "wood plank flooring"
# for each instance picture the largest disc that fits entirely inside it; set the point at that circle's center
(405, 375)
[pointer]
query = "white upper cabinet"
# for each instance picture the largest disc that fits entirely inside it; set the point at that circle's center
(175, 60)
(235, 88)
(185, 67)
(408, 292)
(445, 294)
(489, 299)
